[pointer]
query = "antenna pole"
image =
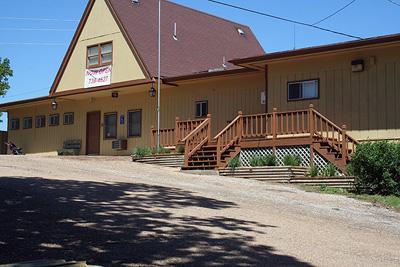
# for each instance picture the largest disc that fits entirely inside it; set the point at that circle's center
(159, 76)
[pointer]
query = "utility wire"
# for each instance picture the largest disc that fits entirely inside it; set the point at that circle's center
(285, 19)
(393, 2)
(38, 44)
(37, 29)
(38, 19)
(334, 13)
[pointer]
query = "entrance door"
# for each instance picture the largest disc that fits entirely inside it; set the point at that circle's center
(93, 133)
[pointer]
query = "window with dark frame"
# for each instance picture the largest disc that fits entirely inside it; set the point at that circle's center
(14, 124)
(110, 125)
(40, 121)
(134, 123)
(28, 123)
(99, 55)
(54, 120)
(68, 118)
(201, 109)
(303, 90)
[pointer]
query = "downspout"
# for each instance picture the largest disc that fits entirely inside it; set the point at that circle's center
(266, 88)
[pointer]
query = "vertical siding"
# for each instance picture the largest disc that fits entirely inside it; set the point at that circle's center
(226, 96)
(366, 101)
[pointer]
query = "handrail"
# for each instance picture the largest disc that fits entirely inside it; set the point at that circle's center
(197, 138)
(227, 127)
(228, 136)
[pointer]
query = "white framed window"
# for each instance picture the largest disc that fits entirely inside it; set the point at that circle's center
(54, 120)
(14, 124)
(201, 108)
(68, 118)
(40, 121)
(303, 90)
(28, 122)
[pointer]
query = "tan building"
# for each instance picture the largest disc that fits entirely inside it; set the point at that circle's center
(104, 90)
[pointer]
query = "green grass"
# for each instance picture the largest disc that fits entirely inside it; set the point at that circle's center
(391, 202)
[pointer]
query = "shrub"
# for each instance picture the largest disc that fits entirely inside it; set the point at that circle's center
(234, 163)
(141, 152)
(270, 160)
(257, 161)
(376, 166)
(314, 171)
(292, 160)
(161, 150)
(329, 170)
(180, 149)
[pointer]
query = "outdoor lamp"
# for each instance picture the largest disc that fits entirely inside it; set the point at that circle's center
(152, 91)
(54, 104)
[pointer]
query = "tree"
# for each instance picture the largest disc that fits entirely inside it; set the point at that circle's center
(5, 73)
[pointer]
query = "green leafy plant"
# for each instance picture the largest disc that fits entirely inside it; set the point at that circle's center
(180, 149)
(314, 171)
(5, 73)
(376, 166)
(270, 160)
(292, 160)
(234, 163)
(161, 151)
(141, 152)
(329, 170)
(257, 161)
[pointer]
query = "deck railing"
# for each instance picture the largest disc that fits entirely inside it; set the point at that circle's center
(197, 138)
(171, 137)
(280, 125)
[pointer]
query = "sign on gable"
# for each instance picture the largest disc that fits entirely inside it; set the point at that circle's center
(98, 77)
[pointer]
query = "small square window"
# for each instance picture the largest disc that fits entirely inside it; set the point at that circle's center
(303, 90)
(201, 109)
(99, 55)
(68, 118)
(28, 123)
(14, 124)
(40, 121)
(54, 120)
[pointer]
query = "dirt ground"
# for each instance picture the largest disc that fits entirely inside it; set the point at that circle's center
(112, 212)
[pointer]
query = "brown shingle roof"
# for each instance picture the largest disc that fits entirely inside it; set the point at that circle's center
(203, 39)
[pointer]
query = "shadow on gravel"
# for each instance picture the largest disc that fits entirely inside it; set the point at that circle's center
(122, 224)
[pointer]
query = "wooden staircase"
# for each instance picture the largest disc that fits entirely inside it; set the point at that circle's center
(305, 127)
(277, 129)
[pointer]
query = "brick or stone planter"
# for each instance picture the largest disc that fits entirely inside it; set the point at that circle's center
(167, 160)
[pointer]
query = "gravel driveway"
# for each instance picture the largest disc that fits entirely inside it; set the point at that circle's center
(112, 212)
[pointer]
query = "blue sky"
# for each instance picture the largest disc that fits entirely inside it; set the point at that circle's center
(35, 65)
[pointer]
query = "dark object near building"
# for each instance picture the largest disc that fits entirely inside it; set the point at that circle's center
(3, 140)
(70, 148)
(14, 149)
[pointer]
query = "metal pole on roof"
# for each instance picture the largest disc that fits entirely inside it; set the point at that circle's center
(159, 75)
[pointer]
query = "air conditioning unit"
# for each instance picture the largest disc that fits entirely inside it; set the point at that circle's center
(120, 144)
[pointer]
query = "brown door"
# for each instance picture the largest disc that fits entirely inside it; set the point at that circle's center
(93, 133)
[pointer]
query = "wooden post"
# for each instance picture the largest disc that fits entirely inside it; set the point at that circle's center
(152, 137)
(311, 155)
(240, 126)
(274, 128)
(209, 128)
(345, 149)
(311, 122)
(177, 132)
(219, 152)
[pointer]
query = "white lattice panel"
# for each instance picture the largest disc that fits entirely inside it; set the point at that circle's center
(247, 154)
(281, 152)
(302, 151)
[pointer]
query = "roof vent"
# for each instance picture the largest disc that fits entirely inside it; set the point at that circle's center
(175, 34)
(241, 32)
(135, 2)
(224, 63)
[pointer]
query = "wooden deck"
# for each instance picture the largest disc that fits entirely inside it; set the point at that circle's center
(268, 130)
